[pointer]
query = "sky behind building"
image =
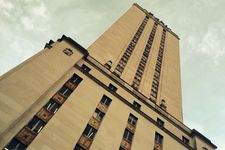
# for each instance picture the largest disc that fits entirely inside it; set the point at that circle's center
(26, 25)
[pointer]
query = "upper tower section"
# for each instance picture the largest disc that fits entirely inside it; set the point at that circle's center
(144, 52)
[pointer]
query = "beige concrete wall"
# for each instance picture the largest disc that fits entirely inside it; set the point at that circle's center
(67, 125)
(130, 98)
(112, 43)
(22, 87)
(200, 144)
(28, 115)
(170, 87)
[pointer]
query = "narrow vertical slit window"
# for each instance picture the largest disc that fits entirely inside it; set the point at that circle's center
(141, 67)
(156, 77)
(126, 55)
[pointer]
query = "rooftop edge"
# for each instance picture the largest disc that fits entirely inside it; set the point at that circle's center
(156, 20)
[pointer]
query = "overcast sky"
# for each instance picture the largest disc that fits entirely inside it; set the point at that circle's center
(26, 25)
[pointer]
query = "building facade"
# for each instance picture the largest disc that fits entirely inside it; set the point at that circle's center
(122, 93)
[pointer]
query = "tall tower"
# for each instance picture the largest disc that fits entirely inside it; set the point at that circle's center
(123, 93)
(145, 54)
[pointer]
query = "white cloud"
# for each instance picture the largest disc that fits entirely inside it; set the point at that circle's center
(6, 5)
(212, 43)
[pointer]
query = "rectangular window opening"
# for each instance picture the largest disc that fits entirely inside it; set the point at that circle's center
(85, 68)
(106, 100)
(112, 88)
(136, 105)
(89, 132)
(132, 119)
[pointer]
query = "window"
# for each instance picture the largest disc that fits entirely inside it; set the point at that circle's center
(76, 79)
(105, 100)
(121, 148)
(85, 68)
(128, 135)
(185, 140)
(65, 91)
(36, 124)
(136, 105)
(78, 147)
(160, 122)
(112, 87)
(98, 114)
(14, 144)
(132, 119)
(89, 132)
(158, 138)
(68, 51)
(52, 106)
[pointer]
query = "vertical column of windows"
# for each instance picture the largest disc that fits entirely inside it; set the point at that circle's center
(128, 133)
(93, 125)
(141, 67)
(28, 133)
(126, 55)
(156, 77)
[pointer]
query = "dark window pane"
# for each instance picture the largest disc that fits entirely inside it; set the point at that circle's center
(89, 132)
(78, 147)
(65, 91)
(121, 148)
(36, 124)
(15, 145)
(185, 140)
(85, 68)
(158, 138)
(132, 119)
(76, 79)
(106, 100)
(128, 135)
(112, 87)
(98, 114)
(52, 106)
(136, 105)
(160, 122)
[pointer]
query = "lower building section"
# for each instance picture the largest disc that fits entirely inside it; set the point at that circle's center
(83, 115)
(88, 107)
